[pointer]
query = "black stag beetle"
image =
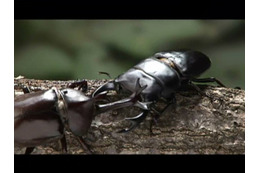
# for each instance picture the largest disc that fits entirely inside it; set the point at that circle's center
(42, 117)
(161, 75)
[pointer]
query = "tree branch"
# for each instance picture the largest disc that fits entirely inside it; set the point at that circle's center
(196, 125)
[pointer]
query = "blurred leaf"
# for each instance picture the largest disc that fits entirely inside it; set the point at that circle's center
(141, 38)
(92, 59)
(42, 62)
(71, 49)
(228, 64)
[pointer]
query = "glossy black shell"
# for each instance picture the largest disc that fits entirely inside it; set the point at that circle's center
(160, 78)
(37, 119)
(80, 110)
(189, 63)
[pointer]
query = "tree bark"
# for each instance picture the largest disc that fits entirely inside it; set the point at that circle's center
(195, 125)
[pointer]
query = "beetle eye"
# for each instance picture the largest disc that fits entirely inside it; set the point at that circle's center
(167, 61)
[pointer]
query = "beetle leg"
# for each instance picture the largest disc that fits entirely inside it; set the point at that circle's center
(81, 84)
(84, 145)
(29, 150)
(106, 87)
(205, 80)
(105, 73)
(24, 87)
(135, 121)
(202, 93)
(156, 115)
(197, 89)
(63, 144)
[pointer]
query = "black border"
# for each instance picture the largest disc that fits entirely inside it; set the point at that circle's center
(170, 9)
(131, 163)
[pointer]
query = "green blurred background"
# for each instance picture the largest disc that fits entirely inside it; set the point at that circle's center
(79, 49)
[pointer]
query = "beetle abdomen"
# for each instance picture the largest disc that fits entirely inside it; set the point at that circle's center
(189, 63)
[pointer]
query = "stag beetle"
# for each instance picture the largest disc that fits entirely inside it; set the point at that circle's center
(162, 74)
(42, 117)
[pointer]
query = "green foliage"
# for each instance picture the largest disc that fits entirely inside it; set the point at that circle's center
(41, 61)
(72, 49)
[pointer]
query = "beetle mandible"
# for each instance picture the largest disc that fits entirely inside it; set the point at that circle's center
(42, 117)
(162, 74)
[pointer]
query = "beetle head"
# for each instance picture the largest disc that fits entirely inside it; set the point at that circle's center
(188, 63)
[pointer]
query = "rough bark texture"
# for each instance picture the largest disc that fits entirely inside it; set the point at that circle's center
(196, 125)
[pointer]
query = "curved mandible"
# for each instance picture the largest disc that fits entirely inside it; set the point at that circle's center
(106, 87)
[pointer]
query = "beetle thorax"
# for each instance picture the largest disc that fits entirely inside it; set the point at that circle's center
(167, 61)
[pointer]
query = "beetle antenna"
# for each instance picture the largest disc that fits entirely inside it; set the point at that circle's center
(105, 73)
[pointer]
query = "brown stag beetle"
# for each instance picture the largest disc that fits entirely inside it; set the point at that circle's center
(42, 117)
(162, 75)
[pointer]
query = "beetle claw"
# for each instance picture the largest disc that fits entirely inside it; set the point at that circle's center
(81, 84)
(142, 105)
(135, 121)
